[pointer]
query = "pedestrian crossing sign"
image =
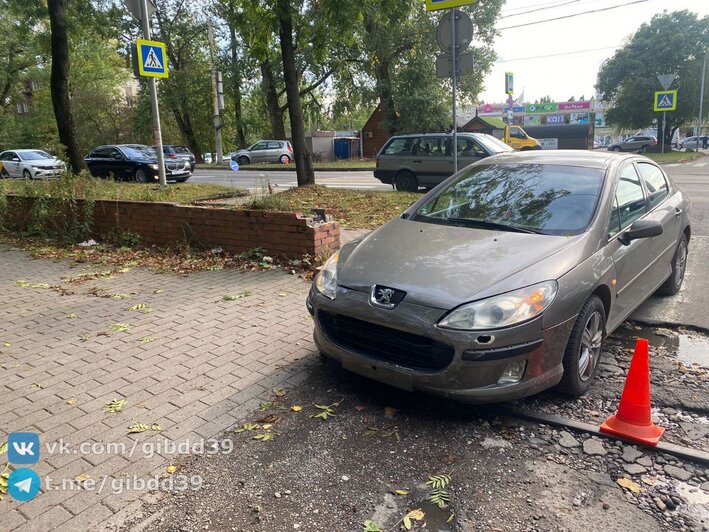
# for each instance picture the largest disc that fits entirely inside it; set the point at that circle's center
(151, 58)
(666, 101)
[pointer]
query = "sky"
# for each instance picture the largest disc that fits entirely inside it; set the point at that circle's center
(594, 36)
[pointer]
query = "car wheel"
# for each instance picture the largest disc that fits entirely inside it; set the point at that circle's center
(615, 148)
(140, 176)
(26, 174)
(679, 265)
(406, 182)
(284, 159)
(643, 149)
(583, 351)
(243, 160)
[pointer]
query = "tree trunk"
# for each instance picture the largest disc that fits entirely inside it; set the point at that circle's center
(303, 159)
(386, 98)
(236, 87)
(275, 114)
(59, 84)
(185, 124)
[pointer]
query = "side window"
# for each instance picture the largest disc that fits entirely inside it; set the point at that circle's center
(516, 133)
(274, 146)
(614, 223)
(629, 197)
(7, 156)
(113, 153)
(431, 147)
(399, 147)
(260, 146)
(470, 148)
(655, 183)
(101, 153)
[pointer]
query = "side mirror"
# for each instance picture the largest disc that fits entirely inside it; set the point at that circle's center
(640, 229)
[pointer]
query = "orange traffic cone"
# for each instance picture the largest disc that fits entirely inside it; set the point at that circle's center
(633, 420)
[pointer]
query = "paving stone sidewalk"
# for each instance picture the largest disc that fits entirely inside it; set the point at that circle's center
(209, 364)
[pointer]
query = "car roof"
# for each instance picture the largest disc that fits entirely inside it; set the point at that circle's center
(590, 159)
(26, 150)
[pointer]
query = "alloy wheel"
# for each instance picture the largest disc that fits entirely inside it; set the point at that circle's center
(591, 342)
(680, 261)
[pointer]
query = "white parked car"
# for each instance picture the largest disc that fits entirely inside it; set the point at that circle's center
(29, 164)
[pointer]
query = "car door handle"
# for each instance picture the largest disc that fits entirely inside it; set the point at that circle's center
(416, 160)
(678, 212)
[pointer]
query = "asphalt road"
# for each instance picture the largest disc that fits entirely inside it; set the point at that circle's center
(255, 181)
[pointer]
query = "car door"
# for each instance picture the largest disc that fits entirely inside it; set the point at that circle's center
(469, 151)
(632, 261)
(116, 165)
(274, 152)
(258, 152)
(432, 165)
(665, 207)
(10, 165)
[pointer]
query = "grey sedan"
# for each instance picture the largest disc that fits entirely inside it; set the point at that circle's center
(506, 278)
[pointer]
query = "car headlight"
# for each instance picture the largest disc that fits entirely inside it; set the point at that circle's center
(502, 310)
(326, 280)
(154, 166)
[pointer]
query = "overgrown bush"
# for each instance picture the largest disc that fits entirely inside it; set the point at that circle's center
(273, 202)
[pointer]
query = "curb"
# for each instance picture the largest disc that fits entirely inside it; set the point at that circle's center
(285, 169)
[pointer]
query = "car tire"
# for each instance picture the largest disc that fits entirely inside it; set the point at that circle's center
(242, 160)
(615, 148)
(140, 175)
(406, 181)
(26, 174)
(284, 159)
(679, 265)
(643, 149)
(584, 348)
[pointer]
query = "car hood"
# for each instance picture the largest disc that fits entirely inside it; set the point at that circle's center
(445, 266)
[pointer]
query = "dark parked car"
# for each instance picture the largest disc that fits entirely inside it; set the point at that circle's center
(412, 161)
(134, 162)
(507, 278)
(179, 152)
(638, 143)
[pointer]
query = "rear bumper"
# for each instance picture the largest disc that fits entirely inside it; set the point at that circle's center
(385, 176)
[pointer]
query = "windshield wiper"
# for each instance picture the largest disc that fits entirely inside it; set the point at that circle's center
(487, 224)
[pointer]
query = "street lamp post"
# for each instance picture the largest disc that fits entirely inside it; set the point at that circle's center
(701, 100)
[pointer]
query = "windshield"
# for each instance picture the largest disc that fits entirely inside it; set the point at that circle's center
(34, 155)
(545, 198)
(493, 144)
(139, 152)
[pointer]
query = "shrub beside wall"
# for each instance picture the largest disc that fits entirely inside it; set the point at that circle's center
(282, 233)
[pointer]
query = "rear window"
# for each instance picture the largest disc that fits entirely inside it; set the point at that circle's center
(182, 149)
(547, 198)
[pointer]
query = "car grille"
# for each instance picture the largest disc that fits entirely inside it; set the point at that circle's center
(386, 344)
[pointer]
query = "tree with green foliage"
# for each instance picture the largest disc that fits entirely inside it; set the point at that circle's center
(672, 43)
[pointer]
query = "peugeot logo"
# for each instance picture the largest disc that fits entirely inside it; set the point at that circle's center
(385, 297)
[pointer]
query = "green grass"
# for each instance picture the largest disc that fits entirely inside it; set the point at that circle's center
(85, 186)
(363, 164)
(353, 209)
(674, 156)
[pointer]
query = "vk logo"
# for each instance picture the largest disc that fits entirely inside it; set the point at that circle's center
(23, 448)
(23, 484)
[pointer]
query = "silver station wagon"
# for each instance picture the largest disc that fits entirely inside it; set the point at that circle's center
(505, 279)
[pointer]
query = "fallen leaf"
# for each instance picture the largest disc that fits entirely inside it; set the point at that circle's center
(279, 392)
(3, 447)
(120, 327)
(234, 297)
(650, 481)
(171, 469)
(115, 406)
(416, 515)
(142, 307)
(71, 401)
(248, 426)
(155, 426)
(36, 385)
(82, 478)
(136, 427)
(71, 316)
(147, 339)
(271, 418)
(629, 484)
(401, 492)
(389, 411)
(7, 344)
(359, 408)
(119, 296)
(296, 408)
(266, 436)
(282, 294)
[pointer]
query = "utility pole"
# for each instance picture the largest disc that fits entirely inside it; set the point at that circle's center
(454, 68)
(217, 120)
(701, 100)
(145, 22)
